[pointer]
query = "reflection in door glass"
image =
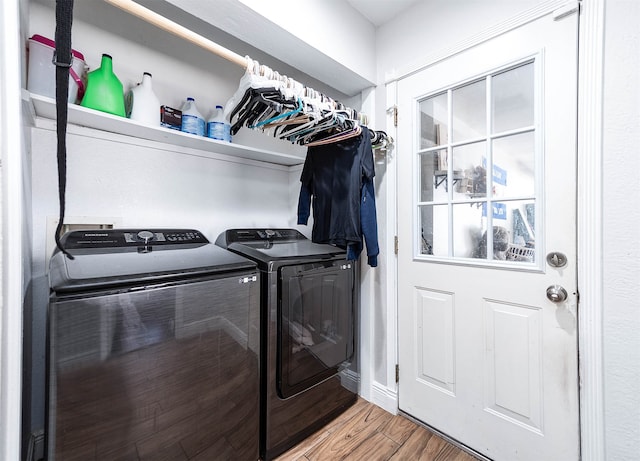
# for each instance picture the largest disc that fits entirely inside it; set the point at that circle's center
(522, 225)
(434, 238)
(513, 231)
(513, 104)
(468, 227)
(514, 156)
(469, 111)
(469, 164)
(500, 244)
(433, 176)
(433, 121)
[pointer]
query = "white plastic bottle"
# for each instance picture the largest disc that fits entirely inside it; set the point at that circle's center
(192, 120)
(218, 127)
(142, 103)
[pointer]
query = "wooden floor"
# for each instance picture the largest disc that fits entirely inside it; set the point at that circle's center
(366, 432)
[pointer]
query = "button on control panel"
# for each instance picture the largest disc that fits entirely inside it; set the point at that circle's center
(143, 236)
(270, 234)
(183, 236)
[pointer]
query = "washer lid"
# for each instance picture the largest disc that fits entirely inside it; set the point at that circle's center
(267, 245)
(272, 251)
(97, 265)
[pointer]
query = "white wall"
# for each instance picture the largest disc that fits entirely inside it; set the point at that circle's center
(621, 221)
(324, 25)
(431, 27)
(147, 186)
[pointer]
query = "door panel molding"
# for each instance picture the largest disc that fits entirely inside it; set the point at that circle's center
(434, 311)
(513, 356)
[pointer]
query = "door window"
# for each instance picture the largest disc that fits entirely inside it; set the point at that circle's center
(484, 125)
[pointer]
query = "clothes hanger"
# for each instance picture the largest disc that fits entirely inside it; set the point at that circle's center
(280, 115)
(323, 128)
(254, 106)
(380, 140)
(339, 126)
(337, 138)
(256, 77)
(279, 105)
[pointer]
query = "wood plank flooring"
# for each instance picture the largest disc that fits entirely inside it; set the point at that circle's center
(367, 432)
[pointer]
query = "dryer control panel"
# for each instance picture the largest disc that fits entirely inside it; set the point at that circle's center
(252, 235)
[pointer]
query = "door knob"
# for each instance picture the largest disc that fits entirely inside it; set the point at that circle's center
(556, 294)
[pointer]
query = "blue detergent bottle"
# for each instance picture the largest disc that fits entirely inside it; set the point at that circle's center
(218, 127)
(192, 120)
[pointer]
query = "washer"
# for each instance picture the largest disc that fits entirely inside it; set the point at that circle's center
(309, 297)
(153, 348)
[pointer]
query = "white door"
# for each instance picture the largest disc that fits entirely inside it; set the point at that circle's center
(487, 146)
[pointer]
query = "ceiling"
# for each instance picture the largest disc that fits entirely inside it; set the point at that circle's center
(379, 12)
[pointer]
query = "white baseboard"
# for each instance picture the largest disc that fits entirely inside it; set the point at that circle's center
(384, 397)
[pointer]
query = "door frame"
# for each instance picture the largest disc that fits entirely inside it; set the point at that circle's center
(12, 232)
(589, 204)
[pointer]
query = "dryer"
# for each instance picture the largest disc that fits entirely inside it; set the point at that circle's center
(309, 295)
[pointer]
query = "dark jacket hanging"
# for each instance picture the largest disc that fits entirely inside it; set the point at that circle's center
(339, 177)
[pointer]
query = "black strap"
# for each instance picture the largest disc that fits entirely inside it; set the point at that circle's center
(62, 60)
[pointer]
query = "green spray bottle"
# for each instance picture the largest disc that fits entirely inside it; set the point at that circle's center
(104, 90)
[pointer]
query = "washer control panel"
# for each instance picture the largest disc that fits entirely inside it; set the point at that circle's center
(127, 238)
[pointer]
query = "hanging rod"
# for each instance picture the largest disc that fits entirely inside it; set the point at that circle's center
(174, 28)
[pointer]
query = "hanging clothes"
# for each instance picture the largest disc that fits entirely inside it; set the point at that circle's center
(339, 179)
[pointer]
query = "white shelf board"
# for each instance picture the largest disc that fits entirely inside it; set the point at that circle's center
(45, 107)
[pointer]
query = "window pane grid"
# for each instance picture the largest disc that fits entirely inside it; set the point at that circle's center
(450, 171)
(468, 190)
(526, 129)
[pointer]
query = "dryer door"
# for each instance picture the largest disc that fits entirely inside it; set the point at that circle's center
(315, 325)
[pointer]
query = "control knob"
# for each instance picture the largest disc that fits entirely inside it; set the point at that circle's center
(145, 236)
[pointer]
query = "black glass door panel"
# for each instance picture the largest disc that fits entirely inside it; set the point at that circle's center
(316, 323)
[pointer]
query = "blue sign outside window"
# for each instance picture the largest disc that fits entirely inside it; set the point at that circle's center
(499, 210)
(499, 175)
